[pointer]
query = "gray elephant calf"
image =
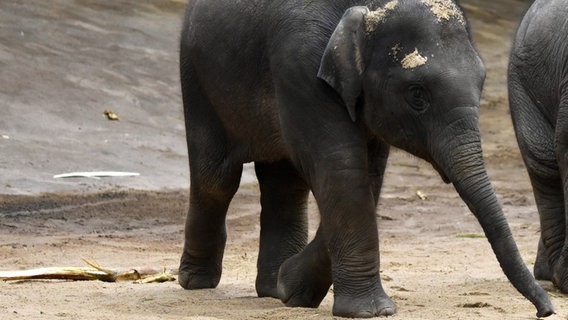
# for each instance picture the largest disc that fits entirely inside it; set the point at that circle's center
(538, 95)
(314, 92)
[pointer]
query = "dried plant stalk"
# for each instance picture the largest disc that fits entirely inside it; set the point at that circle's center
(96, 272)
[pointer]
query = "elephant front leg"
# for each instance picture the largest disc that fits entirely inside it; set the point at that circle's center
(345, 252)
(354, 249)
(283, 221)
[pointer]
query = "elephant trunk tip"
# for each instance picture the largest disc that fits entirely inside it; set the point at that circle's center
(542, 303)
(545, 311)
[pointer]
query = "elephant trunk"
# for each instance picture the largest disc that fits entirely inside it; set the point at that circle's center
(466, 170)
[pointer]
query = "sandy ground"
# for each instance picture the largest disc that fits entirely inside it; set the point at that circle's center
(63, 62)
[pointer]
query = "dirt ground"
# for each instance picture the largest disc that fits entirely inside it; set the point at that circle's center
(63, 62)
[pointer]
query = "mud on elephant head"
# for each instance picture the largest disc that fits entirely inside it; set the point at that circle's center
(400, 72)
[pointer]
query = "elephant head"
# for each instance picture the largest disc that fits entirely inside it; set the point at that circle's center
(408, 72)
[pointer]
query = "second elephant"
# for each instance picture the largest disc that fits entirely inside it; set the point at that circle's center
(538, 95)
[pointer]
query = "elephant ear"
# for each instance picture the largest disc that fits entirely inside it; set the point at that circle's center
(342, 61)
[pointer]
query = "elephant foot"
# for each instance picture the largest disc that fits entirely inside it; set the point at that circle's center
(542, 271)
(367, 306)
(266, 286)
(194, 274)
(560, 275)
(303, 280)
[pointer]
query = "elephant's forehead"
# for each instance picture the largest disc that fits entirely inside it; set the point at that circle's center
(376, 17)
(413, 60)
(408, 60)
(441, 9)
(444, 10)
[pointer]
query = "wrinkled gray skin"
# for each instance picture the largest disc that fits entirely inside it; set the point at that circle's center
(314, 92)
(538, 94)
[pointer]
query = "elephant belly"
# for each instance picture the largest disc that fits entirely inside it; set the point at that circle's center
(253, 129)
(235, 79)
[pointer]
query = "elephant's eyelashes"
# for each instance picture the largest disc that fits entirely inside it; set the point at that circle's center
(417, 97)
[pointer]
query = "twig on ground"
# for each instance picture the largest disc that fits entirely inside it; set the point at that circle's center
(96, 272)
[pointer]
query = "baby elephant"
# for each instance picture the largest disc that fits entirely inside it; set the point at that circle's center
(314, 92)
(538, 95)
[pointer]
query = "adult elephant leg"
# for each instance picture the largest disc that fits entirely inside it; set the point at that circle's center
(560, 267)
(535, 137)
(215, 177)
(547, 188)
(283, 221)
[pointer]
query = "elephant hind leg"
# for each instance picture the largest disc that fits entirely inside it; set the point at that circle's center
(215, 175)
(205, 230)
(536, 138)
(283, 220)
(560, 263)
(549, 199)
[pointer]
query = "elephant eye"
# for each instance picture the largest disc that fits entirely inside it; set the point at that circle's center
(417, 97)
